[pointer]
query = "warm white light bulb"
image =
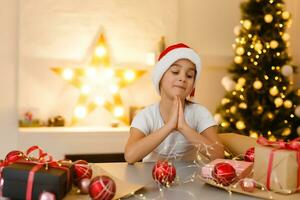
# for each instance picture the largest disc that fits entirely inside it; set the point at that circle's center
(99, 101)
(100, 51)
(114, 89)
(118, 111)
(68, 74)
(80, 112)
(129, 75)
(85, 89)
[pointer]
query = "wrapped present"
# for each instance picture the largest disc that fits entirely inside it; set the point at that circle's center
(28, 179)
(242, 168)
(277, 165)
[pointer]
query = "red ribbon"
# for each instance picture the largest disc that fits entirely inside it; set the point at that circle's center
(39, 162)
(293, 145)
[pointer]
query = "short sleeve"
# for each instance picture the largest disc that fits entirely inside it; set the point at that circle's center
(140, 122)
(204, 119)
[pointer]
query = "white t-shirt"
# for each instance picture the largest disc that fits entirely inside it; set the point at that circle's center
(175, 144)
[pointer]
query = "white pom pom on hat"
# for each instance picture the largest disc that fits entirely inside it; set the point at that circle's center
(169, 56)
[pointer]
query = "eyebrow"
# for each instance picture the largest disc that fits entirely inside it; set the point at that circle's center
(190, 68)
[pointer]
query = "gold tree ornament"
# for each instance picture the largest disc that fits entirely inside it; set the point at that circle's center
(285, 15)
(287, 104)
(268, 18)
(99, 84)
(273, 91)
(274, 44)
(278, 102)
(238, 59)
(257, 84)
(240, 125)
(247, 24)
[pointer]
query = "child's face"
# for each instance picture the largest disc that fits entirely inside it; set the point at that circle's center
(179, 79)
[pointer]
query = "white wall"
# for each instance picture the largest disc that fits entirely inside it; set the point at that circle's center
(8, 72)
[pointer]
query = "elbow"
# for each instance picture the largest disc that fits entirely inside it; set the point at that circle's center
(129, 158)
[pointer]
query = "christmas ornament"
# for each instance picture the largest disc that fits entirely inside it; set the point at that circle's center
(237, 30)
(240, 125)
(285, 36)
(243, 105)
(241, 81)
(287, 103)
(247, 24)
(83, 185)
(273, 91)
(285, 15)
(164, 172)
(47, 196)
(268, 18)
(257, 84)
(240, 51)
(247, 184)
(228, 83)
(56, 121)
(258, 46)
(274, 44)
(238, 59)
(278, 102)
(82, 170)
(286, 132)
(102, 188)
(287, 70)
(249, 155)
(270, 115)
(14, 156)
(297, 111)
(224, 173)
(218, 118)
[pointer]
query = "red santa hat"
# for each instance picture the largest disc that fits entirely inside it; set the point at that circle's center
(169, 56)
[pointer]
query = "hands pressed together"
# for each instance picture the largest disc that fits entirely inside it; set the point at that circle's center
(177, 119)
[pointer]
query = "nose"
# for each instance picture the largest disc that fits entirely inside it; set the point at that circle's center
(182, 78)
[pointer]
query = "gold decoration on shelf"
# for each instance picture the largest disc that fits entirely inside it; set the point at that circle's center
(95, 91)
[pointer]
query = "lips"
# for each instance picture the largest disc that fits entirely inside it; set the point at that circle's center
(178, 86)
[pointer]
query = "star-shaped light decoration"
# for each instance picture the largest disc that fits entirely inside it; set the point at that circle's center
(99, 84)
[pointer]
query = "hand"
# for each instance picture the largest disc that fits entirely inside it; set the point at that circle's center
(181, 123)
(173, 120)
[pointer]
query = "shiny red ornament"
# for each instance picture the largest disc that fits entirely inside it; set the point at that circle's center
(47, 196)
(14, 156)
(82, 170)
(223, 173)
(249, 155)
(247, 184)
(102, 188)
(164, 172)
(83, 185)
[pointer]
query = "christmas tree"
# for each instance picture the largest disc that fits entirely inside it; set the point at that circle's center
(260, 100)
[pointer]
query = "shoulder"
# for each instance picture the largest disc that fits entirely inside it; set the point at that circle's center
(197, 108)
(148, 110)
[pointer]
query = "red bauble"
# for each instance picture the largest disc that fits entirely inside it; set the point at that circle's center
(83, 185)
(224, 173)
(82, 170)
(102, 188)
(14, 156)
(247, 184)
(164, 172)
(249, 155)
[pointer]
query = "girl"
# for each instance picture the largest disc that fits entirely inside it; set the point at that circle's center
(172, 126)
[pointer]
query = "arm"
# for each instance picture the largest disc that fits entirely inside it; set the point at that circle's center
(139, 145)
